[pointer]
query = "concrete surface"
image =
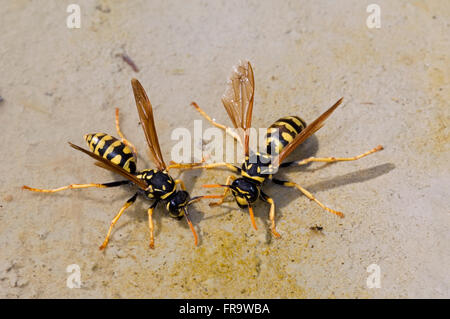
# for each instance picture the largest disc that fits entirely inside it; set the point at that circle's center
(59, 84)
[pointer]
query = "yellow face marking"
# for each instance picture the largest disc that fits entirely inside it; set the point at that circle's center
(241, 200)
(164, 187)
(116, 159)
(241, 191)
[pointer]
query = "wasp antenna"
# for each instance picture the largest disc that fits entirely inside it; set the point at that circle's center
(215, 185)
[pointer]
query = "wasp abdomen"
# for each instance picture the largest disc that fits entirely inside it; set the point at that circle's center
(282, 132)
(112, 149)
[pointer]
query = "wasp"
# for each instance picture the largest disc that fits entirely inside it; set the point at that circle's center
(282, 138)
(120, 156)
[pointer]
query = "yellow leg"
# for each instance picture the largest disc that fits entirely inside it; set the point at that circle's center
(188, 219)
(179, 181)
(150, 226)
(74, 186)
(221, 126)
(231, 167)
(227, 189)
(124, 140)
(252, 217)
(309, 195)
(114, 221)
(272, 217)
(333, 159)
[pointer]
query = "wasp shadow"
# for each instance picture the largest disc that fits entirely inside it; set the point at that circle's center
(284, 198)
(307, 149)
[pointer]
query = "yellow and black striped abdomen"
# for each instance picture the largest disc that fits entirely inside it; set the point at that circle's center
(112, 149)
(282, 132)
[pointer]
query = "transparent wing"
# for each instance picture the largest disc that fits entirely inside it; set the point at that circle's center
(145, 111)
(238, 99)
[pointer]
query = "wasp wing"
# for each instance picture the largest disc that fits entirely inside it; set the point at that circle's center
(307, 132)
(104, 163)
(238, 99)
(145, 111)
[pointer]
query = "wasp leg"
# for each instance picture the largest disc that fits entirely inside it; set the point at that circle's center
(331, 159)
(231, 167)
(150, 224)
(252, 216)
(188, 219)
(227, 130)
(307, 194)
(124, 140)
(227, 189)
(271, 214)
(75, 186)
(227, 183)
(184, 165)
(179, 181)
(114, 221)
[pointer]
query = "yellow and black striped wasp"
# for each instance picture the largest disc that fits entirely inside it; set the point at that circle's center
(120, 156)
(283, 137)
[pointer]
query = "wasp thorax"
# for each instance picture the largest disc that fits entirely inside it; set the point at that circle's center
(245, 191)
(177, 204)
(161, 185)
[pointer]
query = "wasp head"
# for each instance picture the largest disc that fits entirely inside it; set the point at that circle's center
(178, 204)
(177, 207)
(245, 191)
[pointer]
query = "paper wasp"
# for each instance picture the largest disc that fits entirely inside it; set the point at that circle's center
(119, 156)
(292, 131)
